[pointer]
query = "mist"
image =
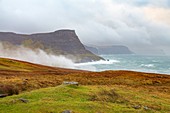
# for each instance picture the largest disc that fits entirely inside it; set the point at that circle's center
(37, 56)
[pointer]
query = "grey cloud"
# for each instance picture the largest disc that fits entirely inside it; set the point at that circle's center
(143, 3)
(97, 22)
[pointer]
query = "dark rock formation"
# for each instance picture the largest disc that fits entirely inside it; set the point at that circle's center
(61, 42)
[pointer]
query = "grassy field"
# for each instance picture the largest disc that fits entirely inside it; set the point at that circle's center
(87, 99)
(98, 92)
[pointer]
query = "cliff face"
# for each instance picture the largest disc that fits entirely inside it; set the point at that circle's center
(110, 50)
(62, 42)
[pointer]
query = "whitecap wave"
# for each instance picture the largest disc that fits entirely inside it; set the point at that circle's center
(104, 62)
(147, 65)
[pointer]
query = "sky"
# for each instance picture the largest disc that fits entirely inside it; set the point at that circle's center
(142, 25)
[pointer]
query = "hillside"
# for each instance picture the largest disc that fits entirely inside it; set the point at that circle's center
(12, 65)
(61, 42)
(106, 92)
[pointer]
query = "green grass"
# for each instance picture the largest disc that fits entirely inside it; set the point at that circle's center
(78, 99)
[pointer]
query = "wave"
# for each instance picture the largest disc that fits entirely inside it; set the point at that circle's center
(107, 62)
(147, 65)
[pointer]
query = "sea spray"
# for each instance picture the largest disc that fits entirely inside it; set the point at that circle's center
(91, 66)
(35, 56)
(98, 62)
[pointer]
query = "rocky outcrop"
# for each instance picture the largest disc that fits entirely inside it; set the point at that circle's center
(61, 42)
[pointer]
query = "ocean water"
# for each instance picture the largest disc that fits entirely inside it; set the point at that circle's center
(141, 63)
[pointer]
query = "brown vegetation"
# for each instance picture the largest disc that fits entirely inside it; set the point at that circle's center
(23, 76)
(105, 96)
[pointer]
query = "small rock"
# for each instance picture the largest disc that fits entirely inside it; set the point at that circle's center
(137, 107)
(67, 111)
(145, 108)
(70, 83)
(23, 100)
(3, 95)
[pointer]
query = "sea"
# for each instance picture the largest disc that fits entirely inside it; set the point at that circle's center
(140, 63)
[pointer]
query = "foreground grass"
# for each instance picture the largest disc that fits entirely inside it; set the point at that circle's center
(81, 100)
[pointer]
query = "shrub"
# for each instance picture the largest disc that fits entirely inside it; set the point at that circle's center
(105, 96)
(8, 89)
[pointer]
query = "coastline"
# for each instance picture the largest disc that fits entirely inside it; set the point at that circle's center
(36, 83)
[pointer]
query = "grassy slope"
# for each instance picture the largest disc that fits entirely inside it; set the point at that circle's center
(132, 89)
(78, 99)
(16, 65)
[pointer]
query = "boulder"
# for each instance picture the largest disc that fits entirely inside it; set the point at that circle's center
(70, 83)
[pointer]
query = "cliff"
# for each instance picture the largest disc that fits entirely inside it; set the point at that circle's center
(61, 42)
(115, 49)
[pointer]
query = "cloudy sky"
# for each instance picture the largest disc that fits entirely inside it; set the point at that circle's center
(142, 25)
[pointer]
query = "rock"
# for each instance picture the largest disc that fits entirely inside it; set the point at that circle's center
(145, 108)
(67, 111)
(3, 95)
(70, 83)
(23, 100)
(137, 107)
